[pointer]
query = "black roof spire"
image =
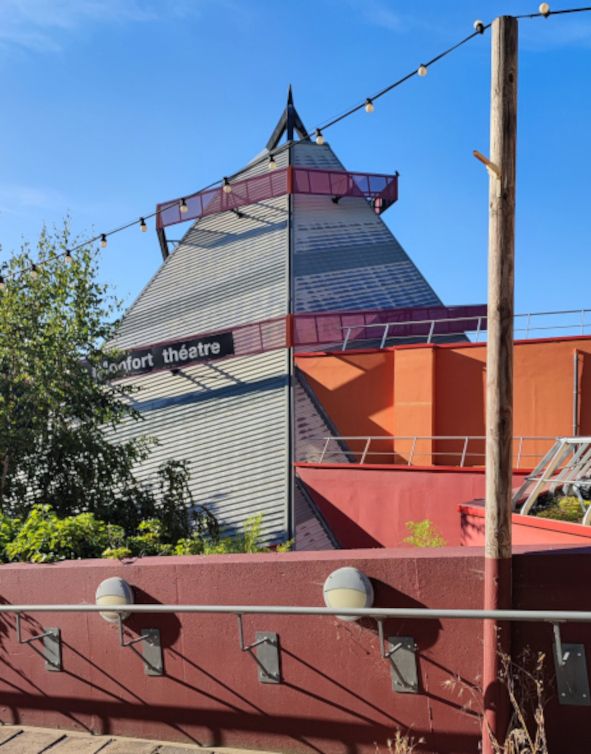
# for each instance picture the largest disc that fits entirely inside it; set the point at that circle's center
(289, 122)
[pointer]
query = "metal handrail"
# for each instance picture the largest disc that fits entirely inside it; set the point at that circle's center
(550, 616)
(462, 454)
(469, 320)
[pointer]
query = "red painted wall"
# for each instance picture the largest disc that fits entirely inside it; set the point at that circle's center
(336, 697)
(526, 530)
(367, 507)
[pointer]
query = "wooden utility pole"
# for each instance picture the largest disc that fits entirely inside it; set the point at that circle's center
(499, 364)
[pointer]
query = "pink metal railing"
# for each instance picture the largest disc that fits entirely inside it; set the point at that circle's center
(336, 330)
(383, 189)
(325, 328)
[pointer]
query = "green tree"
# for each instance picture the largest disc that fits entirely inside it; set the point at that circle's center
(57, 408)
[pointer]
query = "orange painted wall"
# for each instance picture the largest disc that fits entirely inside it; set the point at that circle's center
(356, 392)
(440, 390)
(414, 387)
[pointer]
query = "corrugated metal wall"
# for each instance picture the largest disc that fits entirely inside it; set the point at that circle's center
(344, 255)
(227, 271)
(229, 422)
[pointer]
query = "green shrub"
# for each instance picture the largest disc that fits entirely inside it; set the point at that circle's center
(567, 508)
(247, 541)
(8, 531)
(44, 537)
(423, 534)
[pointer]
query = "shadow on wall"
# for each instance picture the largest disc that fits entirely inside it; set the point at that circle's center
(200, 707)
(341, 524)
(357, 394)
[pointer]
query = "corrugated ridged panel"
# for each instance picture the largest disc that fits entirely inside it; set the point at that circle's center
(227, 271)
(230, 423)
(308, 154)
(311, 533)
(346, 258)
(281, 160)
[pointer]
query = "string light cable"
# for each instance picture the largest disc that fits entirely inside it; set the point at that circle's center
(367, 104)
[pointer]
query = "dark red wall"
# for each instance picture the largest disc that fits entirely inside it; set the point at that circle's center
(336, 696)
(369, 507)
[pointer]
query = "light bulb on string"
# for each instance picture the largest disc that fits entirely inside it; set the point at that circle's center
(479, 26)
(226, 188)
(544, 9)
(34, 271)
(319, 137)
(183, 205)
(369, 105)
(272, 164)
(143, 226)
(68, 257)
(2, 283)
(422, 70)
(104, 240)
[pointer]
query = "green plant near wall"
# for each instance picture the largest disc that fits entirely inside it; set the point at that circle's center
(423, 534)
(566, 508)
(45, 537)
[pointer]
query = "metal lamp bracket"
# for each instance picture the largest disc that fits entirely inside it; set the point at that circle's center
(403, 661)
(52, 645)
(571, 671)
(267, 653)
(151, 648)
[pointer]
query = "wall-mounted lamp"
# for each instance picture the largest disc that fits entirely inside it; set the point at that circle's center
(349, 588)
(116, 592)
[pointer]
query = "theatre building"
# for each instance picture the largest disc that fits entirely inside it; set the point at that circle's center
(289, 330)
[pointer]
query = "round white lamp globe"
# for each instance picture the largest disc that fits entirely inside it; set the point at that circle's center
(348, 588)
(114, 591)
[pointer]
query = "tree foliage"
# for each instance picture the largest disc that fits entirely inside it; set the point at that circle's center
(55, 414)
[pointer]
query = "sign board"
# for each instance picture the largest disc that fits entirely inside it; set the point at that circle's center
(173, 355)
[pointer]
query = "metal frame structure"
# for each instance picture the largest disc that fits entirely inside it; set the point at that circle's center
(566, 466)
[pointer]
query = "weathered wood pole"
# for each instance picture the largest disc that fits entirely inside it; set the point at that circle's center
(499, 364)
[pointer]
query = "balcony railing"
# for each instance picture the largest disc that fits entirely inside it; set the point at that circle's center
(472, 326)
(380, 189)
(462, 451)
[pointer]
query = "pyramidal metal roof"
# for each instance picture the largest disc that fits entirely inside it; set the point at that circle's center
(282, 255)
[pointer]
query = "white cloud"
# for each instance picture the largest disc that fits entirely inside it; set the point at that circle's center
(17, 199)
(378, 13)
(555, 33)
(40, 25)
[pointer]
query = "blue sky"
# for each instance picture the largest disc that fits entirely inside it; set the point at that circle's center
(110, 106)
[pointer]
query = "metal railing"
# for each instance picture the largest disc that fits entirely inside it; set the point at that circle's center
(377, 613)
(576, 321)
(267, 657)
(458, 449)
(268, 185)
